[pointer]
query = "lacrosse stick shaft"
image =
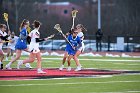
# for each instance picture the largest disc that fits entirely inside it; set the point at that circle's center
(51, 36)
(73, 19)
(8, 26)
(57, 27)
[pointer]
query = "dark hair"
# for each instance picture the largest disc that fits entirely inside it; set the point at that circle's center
(23, 23)
(36, 24)
(3, 26)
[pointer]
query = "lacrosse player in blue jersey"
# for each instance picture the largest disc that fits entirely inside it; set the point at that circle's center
(21, 43)
(73, 47)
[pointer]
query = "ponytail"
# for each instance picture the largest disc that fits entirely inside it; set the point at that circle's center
(23, 23)
(83, 28)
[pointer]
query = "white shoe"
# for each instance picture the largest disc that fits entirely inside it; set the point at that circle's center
(61, 67)
(39, 71)
(69, 69)
(19, 64)
(27, 65)
(78, 68)
(8, 67)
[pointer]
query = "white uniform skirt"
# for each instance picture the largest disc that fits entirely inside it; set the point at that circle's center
(11, 47)
(34, 48)
(82, 47)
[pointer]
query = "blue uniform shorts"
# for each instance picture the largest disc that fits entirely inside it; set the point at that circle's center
(21, 45)
(71, 52)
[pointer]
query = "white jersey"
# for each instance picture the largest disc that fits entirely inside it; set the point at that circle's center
(34, 46)
(13, 42)
(2, 34)
(83, 46)
(80, 35)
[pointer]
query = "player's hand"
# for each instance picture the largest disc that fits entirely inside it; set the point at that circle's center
(2, 41)
(11, 41)
(74, 48)
(45, 39)
(64, 35)
(67, 34)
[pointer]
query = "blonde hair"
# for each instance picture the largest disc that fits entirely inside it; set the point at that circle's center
(83, 28)
(23, 23)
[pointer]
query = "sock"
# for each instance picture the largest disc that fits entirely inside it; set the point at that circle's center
(22, 62)
(9, 64)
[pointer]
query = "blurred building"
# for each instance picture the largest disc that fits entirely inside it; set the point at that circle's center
(119, 17)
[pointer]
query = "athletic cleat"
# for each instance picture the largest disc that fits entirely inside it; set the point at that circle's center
(61, 67)
(27, 65)
(39, 71)
(78, 68)
(8, 67)
(69, 69)
(19, 64)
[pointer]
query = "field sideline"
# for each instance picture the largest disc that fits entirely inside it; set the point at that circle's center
(122, 83)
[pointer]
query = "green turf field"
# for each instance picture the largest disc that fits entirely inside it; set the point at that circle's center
(123, 83)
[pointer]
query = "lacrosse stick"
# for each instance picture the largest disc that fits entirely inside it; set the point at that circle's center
(6, 19)
(51, 36)
(57, 27)
(28, 29)
(7, 41)
(74, 12)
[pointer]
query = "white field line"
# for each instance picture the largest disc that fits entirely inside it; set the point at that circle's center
(95, 59)
(72, 83)
(125, 64)
(118, 63)
(133, 64)
(118, 92)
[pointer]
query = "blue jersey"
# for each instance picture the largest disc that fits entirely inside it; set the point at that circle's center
(75, 42)
(21, 43)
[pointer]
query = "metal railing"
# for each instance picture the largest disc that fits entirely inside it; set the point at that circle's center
(107, 43)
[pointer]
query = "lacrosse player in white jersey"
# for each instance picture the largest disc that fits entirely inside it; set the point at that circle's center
(80, 28)
(3, 39)
(34, 47)
(11, 45)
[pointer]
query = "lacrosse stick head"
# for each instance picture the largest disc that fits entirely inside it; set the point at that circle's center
(28, 29)
(5, 17)
(57, 27)
(74, 12)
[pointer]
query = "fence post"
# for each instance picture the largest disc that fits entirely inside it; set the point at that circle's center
(127, 46)
(108, 38)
